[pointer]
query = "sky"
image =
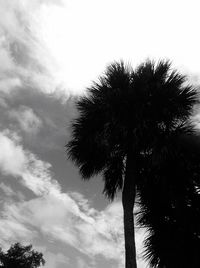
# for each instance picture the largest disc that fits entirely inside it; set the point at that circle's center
(50, 52)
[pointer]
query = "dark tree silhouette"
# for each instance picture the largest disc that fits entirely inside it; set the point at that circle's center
(123, 118)
(170, 207)
(19, 256)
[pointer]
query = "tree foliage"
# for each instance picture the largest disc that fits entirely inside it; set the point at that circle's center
(169, 202)
(19, 256)
(128, 109)
(139, 118)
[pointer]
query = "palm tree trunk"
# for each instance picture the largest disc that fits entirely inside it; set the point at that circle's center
(128, 200)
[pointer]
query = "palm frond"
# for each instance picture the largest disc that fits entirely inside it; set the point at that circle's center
(99, 127)
(113, 176)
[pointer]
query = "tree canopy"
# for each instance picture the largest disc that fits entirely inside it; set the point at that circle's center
(19, 256)
(129, 130)
(170, 207)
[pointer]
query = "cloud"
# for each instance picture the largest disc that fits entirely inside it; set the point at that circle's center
(12, 157)
(63, 217)
(53, 260)
(69, 224)
(62, 220)
(6, 189)
(8, 84)
(81, 263)
(26, 59)
(72, 222)
(13, 231)
(42, 120)
(27, 119)
(16, 161)
(3, 103)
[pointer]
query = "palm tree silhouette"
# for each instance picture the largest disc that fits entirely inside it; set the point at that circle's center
(122, 120)
(170, 207)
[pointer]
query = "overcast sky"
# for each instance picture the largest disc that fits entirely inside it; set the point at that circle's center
(50, 51)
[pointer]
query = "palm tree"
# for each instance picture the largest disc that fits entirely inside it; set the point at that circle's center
(170, 207)
(122, 119)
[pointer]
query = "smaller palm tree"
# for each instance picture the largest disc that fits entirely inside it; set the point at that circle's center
(170, 207)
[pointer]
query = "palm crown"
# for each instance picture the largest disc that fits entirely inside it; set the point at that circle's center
(123, 110)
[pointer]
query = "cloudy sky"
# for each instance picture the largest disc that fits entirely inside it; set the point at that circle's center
(50, 51)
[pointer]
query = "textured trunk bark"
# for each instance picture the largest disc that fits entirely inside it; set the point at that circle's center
(128, 200)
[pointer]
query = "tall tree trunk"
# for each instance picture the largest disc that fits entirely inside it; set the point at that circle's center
(128, 200)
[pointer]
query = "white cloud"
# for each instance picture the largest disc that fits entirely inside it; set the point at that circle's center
(12, 157)
(5, 55)
(72, 222)
(16, 161)
(8, 84)
(25, 57)
(13, 231)
(82, 263)
(64, 217)
(83, 43)
(62, 220)
(66, 44)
